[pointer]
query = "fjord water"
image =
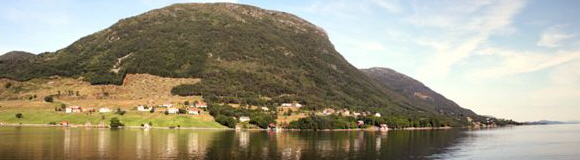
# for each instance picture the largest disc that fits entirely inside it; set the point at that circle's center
(521, 142)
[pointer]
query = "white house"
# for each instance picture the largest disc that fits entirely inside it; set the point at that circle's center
(144, 108)
(291, 105)
(244, 118)
(360, 123)
(384, 127)
(265, 109)
(201, 105)
(377, 115)
(172, 110)
(345, 113)
(104, 110)
(194, 111)
(328, 111)
(73, 109)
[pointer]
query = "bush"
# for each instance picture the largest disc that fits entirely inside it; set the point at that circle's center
(7, 85)
(115, 123)
(186, 90)
(120, 112)
(52, 123)
(18, 115)
(48, 99)
(226, 121)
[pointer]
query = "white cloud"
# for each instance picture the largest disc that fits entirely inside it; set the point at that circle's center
(455, 29)
(339, 9)
(515, 62)
(562, 93)
(553, 36)
(392, 6)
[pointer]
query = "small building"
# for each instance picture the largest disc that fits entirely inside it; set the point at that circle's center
(272, 126)
(345, 113)
(328, 111)
(64, 123)
(360, 123)
(384, 127)
(377, 115)
(73, 109)
(104, 110)
(144, 108)
(166, 105)
(201, 105)
(244, 118)
(172, 110)
(291, 104)
(265, 109)
(194, 111)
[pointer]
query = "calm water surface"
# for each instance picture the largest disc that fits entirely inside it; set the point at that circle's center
(522, 142)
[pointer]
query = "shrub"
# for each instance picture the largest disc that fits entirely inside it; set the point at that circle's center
(116, 123)
(186, 90)
(226, 121)
(48, 99)
(52, 123)
(120, 112)
(7, 85)
(18, 115)
(182, 111)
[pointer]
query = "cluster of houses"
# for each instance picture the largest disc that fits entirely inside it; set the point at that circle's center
(344, 112)
(192, 109)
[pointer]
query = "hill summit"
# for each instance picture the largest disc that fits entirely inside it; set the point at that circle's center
(243, 54)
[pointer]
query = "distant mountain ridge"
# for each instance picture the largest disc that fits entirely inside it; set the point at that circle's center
(243, 54)
(414, 92)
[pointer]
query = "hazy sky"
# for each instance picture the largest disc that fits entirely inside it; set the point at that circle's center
(510, 59)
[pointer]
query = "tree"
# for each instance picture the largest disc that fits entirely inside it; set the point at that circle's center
(116, 123)
(48, 99)
(186, 103)
(18, 115)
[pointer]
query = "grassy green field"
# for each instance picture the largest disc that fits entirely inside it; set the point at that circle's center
(131, 118)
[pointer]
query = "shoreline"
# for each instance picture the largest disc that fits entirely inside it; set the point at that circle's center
(206, 128)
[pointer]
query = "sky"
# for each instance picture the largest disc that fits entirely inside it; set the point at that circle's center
(508, 59)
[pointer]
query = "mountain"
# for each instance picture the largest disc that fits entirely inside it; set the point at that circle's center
(541, 122)
(16, 56)
(415, 93)
(243, 54)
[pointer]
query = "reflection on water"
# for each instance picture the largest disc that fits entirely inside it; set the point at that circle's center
(82, 143)
(522, 142)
